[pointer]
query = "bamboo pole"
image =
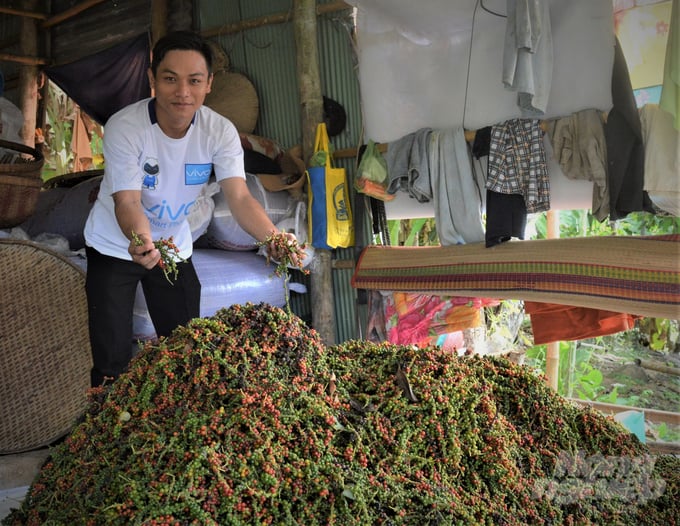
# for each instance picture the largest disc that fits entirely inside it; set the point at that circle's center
(382, 147)
(70, 13)
(552, 359)
(276, 18)
(311, 104)
(23, 12)
(28, 77)
(28, 61)
(56, 19)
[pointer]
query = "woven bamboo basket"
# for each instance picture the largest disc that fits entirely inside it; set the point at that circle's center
(20, 182)
(45, 357)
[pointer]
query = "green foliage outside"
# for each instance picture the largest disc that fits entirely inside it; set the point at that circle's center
(60, 113)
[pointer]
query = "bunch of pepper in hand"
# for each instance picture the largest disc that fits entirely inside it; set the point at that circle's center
(169, 255)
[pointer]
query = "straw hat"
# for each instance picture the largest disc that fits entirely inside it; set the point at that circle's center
(234, 97)
(291, 177)
(220, 58)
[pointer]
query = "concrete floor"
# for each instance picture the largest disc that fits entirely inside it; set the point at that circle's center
(17, 471)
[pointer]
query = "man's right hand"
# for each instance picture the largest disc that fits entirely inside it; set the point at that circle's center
(146, 253)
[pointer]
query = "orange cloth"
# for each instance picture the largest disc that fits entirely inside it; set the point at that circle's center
(377, 190)
(551, 322)
(80, 146)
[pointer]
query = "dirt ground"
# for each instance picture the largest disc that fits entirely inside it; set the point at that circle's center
(627, 376)
(647, 387)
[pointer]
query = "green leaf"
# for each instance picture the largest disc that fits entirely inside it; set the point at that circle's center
(593, 377)
(347, 493)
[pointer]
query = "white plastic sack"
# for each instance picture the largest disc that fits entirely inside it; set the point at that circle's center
(225, 233)
(201, 212)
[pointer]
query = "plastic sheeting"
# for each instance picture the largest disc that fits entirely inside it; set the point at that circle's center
(103, 83)
(227, 278)
(438, 64)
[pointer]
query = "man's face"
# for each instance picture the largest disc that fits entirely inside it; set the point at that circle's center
(181, 84)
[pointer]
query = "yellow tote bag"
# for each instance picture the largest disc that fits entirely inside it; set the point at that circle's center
(329, 211)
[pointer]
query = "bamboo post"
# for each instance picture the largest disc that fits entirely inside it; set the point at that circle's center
(311, 103)
(28, 76)
(276, 18)
(159, 19)
(552, 359)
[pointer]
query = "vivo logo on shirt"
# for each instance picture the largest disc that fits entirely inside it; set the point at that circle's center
(164, 211)
(197, 173)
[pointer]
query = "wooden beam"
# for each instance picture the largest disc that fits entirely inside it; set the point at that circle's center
(663, 448)
(28, 61)
(277, 18)
(659, 367)
(653, 415)
(22, 12)
(70, 13)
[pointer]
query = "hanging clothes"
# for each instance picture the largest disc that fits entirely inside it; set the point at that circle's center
(552, 323)
(528, 54)
(408, 165)
(506, 217)
(662, 158)
(670, 89)
(435, 165)
(517, 163)
(625, 151)
(456, 192)
(580, 148)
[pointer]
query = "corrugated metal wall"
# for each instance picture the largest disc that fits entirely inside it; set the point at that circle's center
(267, 56)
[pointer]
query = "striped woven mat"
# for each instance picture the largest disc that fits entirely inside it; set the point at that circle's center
(631, 274)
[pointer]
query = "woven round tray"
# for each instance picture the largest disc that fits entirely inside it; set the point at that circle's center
(20, 182)
(234, 96)
(45, 358)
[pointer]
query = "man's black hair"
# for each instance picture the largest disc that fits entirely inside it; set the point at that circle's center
(186, 40)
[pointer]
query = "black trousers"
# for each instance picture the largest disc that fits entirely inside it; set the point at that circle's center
(111, 285)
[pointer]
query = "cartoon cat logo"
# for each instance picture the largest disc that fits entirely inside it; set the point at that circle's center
(151, 171)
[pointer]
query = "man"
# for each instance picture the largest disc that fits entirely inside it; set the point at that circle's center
(159, 153)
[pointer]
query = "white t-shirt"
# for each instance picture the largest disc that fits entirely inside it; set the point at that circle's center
(169, 172)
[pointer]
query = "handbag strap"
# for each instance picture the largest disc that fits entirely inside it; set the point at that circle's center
(321, 142)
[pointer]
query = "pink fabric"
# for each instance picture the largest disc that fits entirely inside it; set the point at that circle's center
(420, 319)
